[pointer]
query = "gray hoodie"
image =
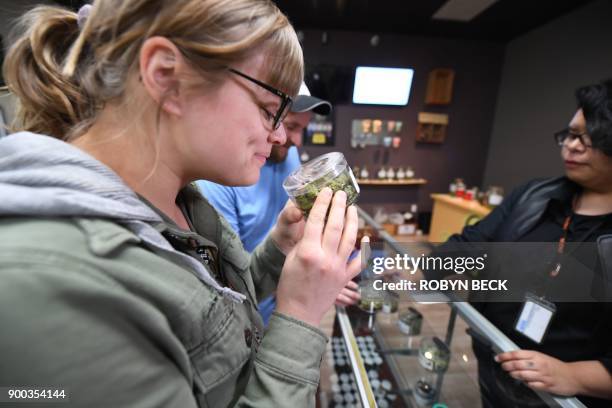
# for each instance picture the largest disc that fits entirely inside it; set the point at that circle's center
(46, 177)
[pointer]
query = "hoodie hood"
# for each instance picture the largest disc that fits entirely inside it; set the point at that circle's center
(41, 176)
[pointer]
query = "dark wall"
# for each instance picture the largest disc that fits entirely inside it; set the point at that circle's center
(477, 68)
(536, 97)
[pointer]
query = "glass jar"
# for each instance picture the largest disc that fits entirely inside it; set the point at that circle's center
(410, 322)
(434, 355)
(329, 170)
(424, 391)
(371, 299)
(390, 302)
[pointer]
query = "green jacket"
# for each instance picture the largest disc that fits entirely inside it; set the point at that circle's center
(85, 307)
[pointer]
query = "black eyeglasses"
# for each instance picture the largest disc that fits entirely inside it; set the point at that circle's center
(286, 101)
(566, 135)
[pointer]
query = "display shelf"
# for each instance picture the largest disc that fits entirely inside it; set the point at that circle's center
(375, 182)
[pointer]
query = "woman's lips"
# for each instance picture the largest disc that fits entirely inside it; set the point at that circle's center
(261, 158)
(573, 164)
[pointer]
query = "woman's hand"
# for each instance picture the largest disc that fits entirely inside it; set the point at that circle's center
(317, 268)
(289, 228)
(540, 371)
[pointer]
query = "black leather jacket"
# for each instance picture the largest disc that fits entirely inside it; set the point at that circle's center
(520, 212)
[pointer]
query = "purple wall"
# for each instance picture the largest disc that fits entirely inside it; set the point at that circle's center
(477, 68)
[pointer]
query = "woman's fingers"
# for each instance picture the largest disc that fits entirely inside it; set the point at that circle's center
(349, 234)
(537, 385)
(335, 223)
(290, 213)
(316, 218)
(515, 355)
(515, 365)
(355, 266)
(345, 298)
(351, 293)
(526, 375)
(352, 285)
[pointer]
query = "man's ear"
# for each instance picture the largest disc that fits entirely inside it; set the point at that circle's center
(160, 63)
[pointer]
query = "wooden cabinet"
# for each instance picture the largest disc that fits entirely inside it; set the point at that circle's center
(451, 214)
(440, 86)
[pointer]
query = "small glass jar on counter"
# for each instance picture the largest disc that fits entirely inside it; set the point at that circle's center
(434, 354)
(410, 322)
(390, 302)
(424, 392)
(371, 299)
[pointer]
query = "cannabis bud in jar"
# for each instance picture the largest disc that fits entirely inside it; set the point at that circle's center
(330, 170)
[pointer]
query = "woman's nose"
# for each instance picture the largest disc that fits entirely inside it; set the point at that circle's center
(574, 144)
(278, 136)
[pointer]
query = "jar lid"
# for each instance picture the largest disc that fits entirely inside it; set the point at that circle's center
(328, 165)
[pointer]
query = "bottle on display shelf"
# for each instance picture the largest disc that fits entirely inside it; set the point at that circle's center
(471, 194)
(401, 174)
(410, 221)
(382, 173)
(495, 196)
(364, 174)
(390, 173)
(409, 172)
(459, 188)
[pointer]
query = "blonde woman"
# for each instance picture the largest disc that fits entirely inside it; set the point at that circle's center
(121, 285)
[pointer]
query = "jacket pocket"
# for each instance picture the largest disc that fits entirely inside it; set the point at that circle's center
(223, 354)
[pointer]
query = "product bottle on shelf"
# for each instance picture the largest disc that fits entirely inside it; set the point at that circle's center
(411, 220)
(390, 173)
(364, 174)
(382, 173)
(409, 172)
(401, 174)
(459, 188)
(495, 196)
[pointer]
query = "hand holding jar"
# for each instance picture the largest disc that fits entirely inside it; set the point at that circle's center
(317, 268)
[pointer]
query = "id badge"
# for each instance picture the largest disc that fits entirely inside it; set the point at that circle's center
(535, 317)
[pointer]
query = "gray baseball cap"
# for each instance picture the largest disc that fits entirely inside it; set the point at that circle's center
(304, 102)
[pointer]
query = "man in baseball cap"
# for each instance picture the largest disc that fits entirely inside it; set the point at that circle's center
(296, 121)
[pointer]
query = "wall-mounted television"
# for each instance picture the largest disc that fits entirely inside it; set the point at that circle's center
(382, 86)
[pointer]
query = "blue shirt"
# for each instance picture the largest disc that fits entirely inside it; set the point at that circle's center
(252, 211)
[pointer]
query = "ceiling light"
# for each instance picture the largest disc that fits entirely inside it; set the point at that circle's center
(462, 10)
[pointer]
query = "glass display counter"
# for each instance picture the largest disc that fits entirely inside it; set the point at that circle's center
(392, 351)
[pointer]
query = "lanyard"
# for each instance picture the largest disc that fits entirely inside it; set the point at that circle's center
(554, 272)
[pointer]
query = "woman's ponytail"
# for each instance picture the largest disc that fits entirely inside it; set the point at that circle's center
(50, 103)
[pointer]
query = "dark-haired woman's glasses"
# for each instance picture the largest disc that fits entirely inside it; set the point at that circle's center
(286, 101)
(565, 137)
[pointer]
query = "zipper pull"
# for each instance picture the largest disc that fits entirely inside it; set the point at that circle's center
(204, 255)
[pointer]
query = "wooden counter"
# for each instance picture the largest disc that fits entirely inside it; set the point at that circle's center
(451, 214)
